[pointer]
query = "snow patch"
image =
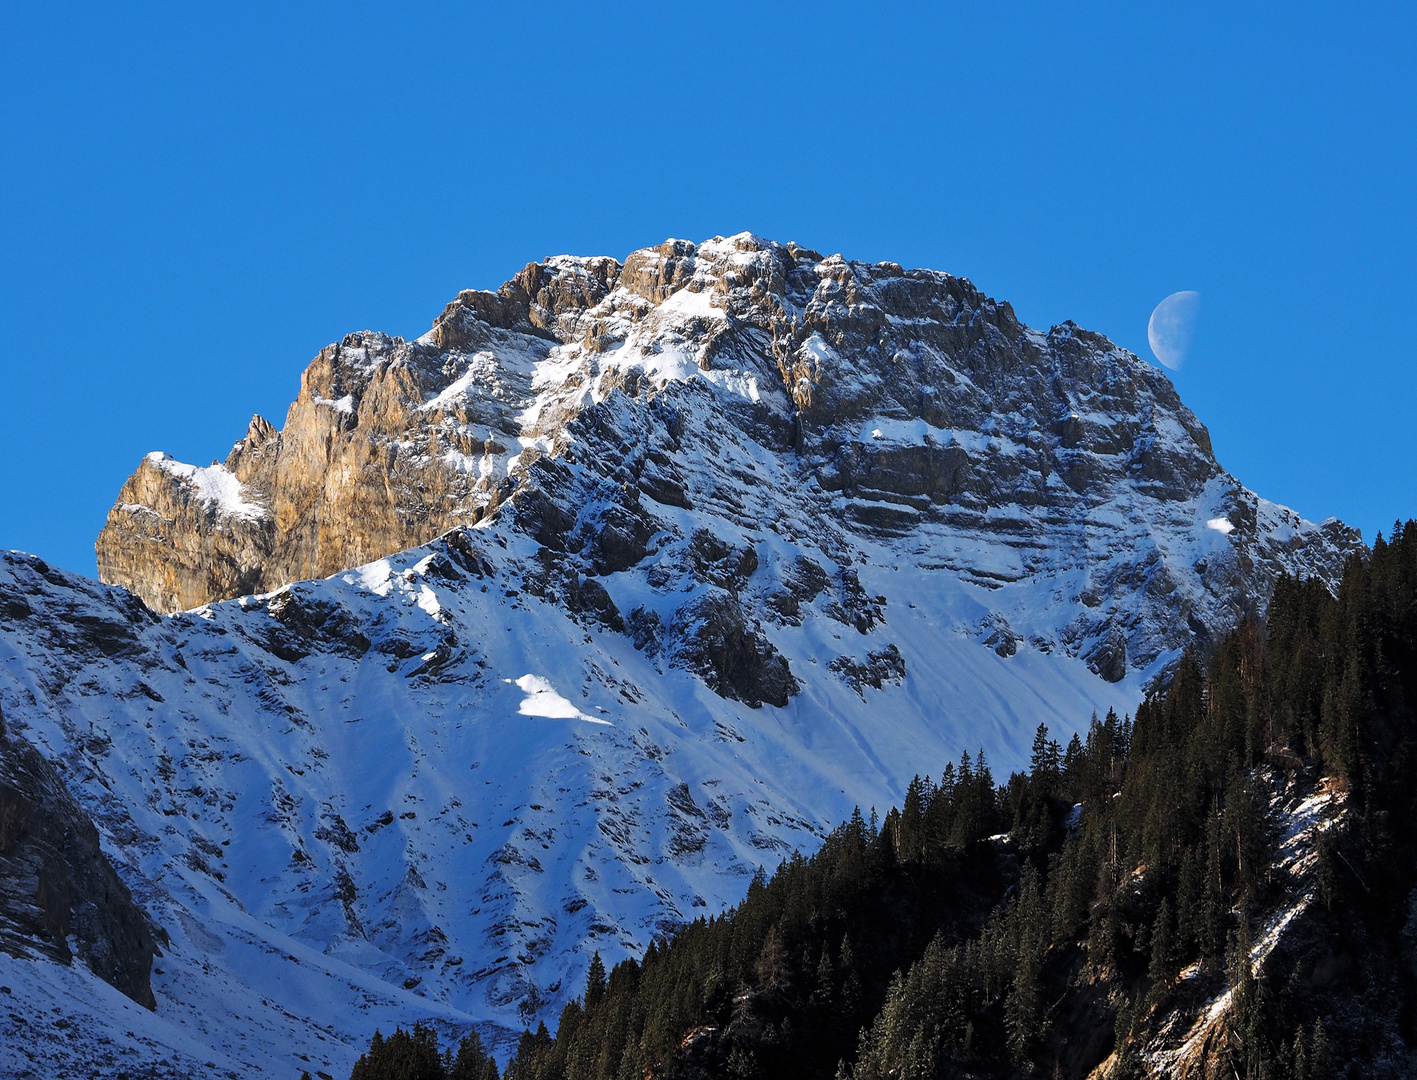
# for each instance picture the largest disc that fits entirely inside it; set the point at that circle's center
(690, 305)
(214, 486)
(340, 405)
(457, 389)
(372, 577)
(543, 700)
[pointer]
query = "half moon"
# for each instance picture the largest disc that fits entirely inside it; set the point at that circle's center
(1172, 326)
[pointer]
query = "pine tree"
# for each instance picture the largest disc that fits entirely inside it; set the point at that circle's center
(595, 982)
(471, 1060)
(1320, 1065)
(825, 990)
(1072, 762)
(850, 979)
(771, 968)
(1213, 905)
(1023, 1009)
(1039, 763)
(1246, 1007)
(1163, 948)
(910, 829)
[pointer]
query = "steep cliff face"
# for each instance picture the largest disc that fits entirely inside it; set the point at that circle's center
(58, 893)
(740, 381)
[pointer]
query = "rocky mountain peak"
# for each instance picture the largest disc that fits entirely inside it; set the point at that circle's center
(747, 381)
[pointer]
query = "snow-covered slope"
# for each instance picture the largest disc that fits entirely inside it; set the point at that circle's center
(741, 537)
(393, 790)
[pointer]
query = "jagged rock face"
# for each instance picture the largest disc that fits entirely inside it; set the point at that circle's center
(199, 519)
(58, 893)
(731, 384)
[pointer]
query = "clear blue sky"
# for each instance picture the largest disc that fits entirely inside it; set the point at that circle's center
(194, 200)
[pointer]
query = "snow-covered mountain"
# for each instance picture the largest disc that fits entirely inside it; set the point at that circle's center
(741, 537)
(731, 386)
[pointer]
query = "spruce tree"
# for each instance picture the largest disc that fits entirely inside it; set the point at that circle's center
(471, 1060)
(595, 982)
(1163, 948)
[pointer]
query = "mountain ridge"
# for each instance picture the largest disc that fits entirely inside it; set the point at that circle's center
(895, 402)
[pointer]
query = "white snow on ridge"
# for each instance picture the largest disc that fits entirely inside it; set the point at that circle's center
(213, 486)
(1220, 525)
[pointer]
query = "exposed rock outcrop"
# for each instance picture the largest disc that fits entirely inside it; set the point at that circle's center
(714, 638)
(59, 895)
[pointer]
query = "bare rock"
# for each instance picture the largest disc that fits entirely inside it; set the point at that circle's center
(59, 895)
(719, 562)
(714, 638)
(880, 667)
(1109, 658)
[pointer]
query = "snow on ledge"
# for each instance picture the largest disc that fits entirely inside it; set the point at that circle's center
(341, 405)
(214, 486)
(688, 304)
(1220, 525)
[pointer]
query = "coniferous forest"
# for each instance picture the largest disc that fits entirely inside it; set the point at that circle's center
(1092, 910)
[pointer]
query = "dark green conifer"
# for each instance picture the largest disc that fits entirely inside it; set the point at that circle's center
(470, 1062)
(404, 1055)
(1163, 949)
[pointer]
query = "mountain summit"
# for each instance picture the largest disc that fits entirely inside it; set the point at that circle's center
(739, 384)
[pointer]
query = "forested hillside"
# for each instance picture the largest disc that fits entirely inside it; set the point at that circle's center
(1223, 885)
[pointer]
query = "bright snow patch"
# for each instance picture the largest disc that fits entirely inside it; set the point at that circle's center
(741, 383)
(1220, 525)
(214, 486)
(341, 405)
(373, 576)
(687, 304)
(543, 700)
